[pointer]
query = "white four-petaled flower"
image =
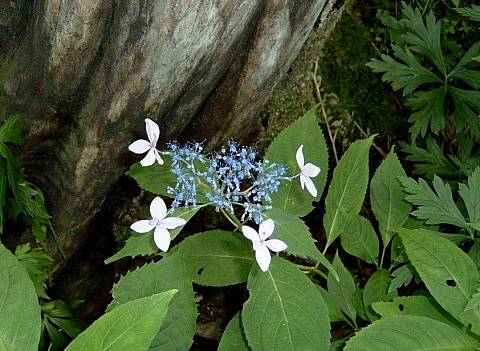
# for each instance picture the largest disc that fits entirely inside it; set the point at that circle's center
(141, 146)
(261, 245)
(307, 171)
(161, 223)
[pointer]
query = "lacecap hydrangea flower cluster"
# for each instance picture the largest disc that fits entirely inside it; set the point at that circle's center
(235, 176)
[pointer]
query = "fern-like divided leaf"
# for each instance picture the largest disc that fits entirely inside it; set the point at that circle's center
(420, 63)
(472, 12)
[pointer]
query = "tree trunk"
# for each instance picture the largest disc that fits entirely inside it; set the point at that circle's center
(84, 74)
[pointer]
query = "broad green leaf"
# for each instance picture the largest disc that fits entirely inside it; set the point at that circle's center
(217, 257)
(155, 178)
(304, 131)
(435, 207)
(474, 253)
(3, 191)
(342, 290)
(334, 314)
(178, 329)
(19, 308)
(144, 245)
(359, 238)
(387, 197)
(233, 338)
(358, 304)
(285, 311)
(376, 290)
(448, 273)
(470, 193)
(293, 231)
(348, 187)
(410, 333)
(130, 326)
(402, 276)
(474, 302)
(418, 305)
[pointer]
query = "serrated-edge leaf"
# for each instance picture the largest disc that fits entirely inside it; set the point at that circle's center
(216, 257)
(19, 308)
(412, 333)
(387, 197)
(307, 132)
(130, 326)
(285, 311)
(343, 290)
(448, 273)
(359, 238)
(233, 338)
(348, 187)
(169, 273)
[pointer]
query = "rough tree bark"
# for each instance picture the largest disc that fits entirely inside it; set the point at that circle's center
(85, 73)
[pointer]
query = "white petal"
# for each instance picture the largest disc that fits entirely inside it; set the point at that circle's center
(149, 159)
(262, 255)
(250, 234)
(142, 226)
(310, 187)
(158, 158)
(139, 147)
(173, 222)
(266, 228)
(310, 170)
(302, 180)
(161, 236)
(158, 209)
(299, 157)
(153, 131)
(276, 245)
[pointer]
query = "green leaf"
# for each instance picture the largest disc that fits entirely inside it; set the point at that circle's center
(293, 231)
(342, 290)
(178, 329)
(429, 111)
(435, 207)
(334, 314)
(144, 245)
(424, 37)
(233, 337)
(429, 161)
(448, 273)
(408, 75)
(304, 131)
(3, 192)
(467, 109)
(217, 257)
(474, 302)
(348, 187)
(358, 304)
(474, 253)
(156, 178)
(402, 276)
(418, 305)
(462, 70)
(131, 326)
(410, 333)
(359, 238)
(472, 12)
(19, 309)
(387, 197)
(37, 264)
(11, 130)
(285, 311)
(375, 291)
(470, 193)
